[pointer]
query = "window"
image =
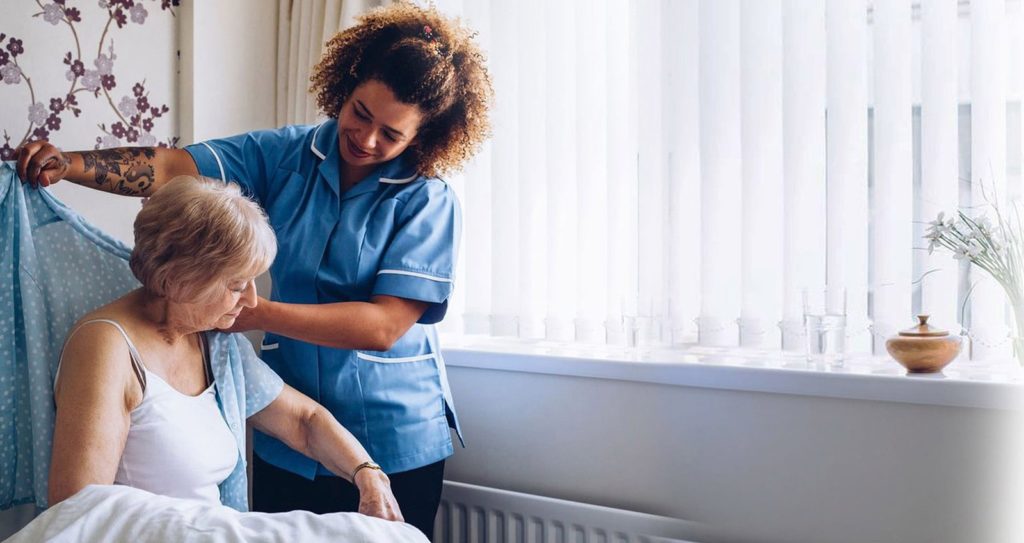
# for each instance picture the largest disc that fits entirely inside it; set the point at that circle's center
(674, 171)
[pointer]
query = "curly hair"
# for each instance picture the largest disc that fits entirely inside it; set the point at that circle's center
(427, 60)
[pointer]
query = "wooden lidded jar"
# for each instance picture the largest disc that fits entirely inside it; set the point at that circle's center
(923, 348)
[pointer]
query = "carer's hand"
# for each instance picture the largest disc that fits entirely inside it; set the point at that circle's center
(375, 497)
(41, 163)
(251, 318)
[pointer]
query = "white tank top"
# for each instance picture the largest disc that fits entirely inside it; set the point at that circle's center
(177, 445)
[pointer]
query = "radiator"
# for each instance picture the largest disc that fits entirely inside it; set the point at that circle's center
(477, 514)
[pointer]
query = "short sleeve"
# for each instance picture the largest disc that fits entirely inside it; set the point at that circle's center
(419, 262)
(262, 384)
(248, 159)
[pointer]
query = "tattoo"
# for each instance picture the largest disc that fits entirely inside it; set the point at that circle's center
(127, 170)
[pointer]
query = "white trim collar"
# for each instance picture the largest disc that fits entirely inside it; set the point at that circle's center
(312, 143)
(399, 181)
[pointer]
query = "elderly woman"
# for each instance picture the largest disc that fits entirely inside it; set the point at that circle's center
(137, 403)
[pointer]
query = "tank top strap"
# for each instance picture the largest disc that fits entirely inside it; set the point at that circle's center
(204, 349)
(137, 366)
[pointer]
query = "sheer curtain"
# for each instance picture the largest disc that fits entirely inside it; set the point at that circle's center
(303, 27)
(674, 171)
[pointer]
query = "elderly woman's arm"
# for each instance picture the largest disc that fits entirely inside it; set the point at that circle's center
(94, 397)
(131, 171)
(307, 427)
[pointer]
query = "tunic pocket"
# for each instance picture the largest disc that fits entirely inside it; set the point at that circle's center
(270, 342)
(401, 389)
(403, 401)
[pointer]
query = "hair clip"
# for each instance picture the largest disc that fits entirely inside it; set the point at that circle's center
(428, 32)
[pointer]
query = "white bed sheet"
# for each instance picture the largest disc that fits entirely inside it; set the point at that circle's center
(115, 513)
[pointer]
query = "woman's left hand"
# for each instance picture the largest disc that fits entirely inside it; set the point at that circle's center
(375, 496)
(251, 318)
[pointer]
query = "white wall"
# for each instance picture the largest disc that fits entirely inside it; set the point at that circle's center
(228, 72)
(754, 467)
(228, 68)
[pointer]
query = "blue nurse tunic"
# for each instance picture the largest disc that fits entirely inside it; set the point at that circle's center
(393, 233)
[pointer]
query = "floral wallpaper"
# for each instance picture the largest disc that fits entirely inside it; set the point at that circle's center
(79, 73)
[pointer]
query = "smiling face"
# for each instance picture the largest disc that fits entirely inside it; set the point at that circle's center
(374, 126)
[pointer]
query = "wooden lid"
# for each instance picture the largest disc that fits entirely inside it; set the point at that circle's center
(923, 329)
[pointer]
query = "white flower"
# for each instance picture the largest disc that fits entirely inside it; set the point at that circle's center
(147, 140)
(997, 240)
(52, 14)
(935, 231)
(973, 249)
(104, 64)
(983, 222)
(104, 4)
(37, 113)
(127, 106)
(10, 74)
(980, 228)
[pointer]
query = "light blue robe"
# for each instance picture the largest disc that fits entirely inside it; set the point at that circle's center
(54, 268)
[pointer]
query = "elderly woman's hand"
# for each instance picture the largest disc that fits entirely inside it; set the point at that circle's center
(375, 497)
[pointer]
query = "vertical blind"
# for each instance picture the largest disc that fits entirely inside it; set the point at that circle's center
(672, 172)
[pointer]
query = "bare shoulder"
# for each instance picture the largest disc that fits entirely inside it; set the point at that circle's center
(95, 361)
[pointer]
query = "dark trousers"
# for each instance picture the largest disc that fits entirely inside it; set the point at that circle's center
(275, 490)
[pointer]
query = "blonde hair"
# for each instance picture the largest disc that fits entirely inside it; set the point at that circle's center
(193, 232)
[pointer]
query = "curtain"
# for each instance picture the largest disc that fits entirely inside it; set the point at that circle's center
(304, 26)
(673, 172)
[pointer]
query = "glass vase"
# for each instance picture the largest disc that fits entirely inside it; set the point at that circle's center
(1018, 331)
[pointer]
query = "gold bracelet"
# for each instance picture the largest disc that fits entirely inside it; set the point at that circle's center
(370, 464)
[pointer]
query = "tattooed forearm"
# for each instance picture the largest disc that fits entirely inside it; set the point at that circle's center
(65, 164)
(127, 170)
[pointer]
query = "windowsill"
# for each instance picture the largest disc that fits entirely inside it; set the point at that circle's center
(997, 385)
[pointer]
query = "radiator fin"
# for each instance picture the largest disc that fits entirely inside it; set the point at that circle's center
(476, 514)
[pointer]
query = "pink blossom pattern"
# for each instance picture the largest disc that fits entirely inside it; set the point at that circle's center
(107, 142)
(91, 80)
(6, 151)
(75, 67)
(135, 115)
(138, 13)
(53, 14)
(105, 64)
(37, 113)
(15, 47)
(127, 106)
(10, 74)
